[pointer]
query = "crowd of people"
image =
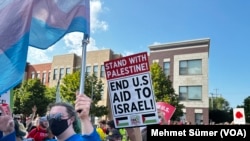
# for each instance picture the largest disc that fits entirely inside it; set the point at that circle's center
(108, 131)
(62, 121)
(58, 125)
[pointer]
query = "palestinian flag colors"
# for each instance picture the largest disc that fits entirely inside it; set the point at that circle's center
(149, 118)
(122, 121)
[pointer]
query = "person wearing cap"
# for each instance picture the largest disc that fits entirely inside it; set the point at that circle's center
(40, 133)
(114, 135)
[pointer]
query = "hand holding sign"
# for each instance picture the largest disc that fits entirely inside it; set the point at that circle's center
(130, 90)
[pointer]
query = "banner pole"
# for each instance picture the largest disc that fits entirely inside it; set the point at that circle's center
(85, 41)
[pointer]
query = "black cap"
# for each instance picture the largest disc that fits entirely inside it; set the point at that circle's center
(111, 123)
(114, 133)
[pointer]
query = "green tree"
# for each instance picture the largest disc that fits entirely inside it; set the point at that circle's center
(246, 106)
(50, 94)
(93, 89)
(221, 116)
(218, 103)
(219, 110)
(164, 90)
(30, 93)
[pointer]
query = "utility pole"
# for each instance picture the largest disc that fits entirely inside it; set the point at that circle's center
(212, 97)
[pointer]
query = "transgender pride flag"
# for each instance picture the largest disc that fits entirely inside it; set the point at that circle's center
(38, 23)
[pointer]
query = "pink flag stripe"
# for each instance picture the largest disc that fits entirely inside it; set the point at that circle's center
(11, 31)
(54, 16)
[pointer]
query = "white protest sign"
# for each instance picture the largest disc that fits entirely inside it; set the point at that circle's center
(130, 89)
(5, 100)
(239, 116)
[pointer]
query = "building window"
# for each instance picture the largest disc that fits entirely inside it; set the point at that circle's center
(38, 75)
(190, 67)
(198, 118)
(88, 69)
(55, 74)
(95, 70)
(44, 78)
(190, 92)
(48, 77)
(67, 71)
(166, 68)
(32, 75)
(102, 73)
(61, 73)
(183, 118)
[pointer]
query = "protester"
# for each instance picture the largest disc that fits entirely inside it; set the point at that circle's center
(19, 133)
(7, 126)
(102, 130)
(31, 121)
(17, 118)
(103, 126)
(114, 135)
(40, 133)
(101, 134)
(62, 119)
(112, 129)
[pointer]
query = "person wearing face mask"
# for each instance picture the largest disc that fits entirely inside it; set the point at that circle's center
(62, 119)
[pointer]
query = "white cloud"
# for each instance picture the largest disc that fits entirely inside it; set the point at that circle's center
(36, 56)
(73, 42)
(95, 9)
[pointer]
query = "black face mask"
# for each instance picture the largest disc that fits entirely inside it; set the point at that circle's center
(58, 126)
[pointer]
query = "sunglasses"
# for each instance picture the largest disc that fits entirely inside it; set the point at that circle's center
(57, 116)
(17, 118)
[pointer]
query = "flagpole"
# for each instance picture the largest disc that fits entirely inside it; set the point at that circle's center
(85, 41)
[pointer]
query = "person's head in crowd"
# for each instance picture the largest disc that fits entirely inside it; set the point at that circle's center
(19, 133)
(162, 120)
(17, 117)
(114, 135)
(110, 125)
(62, 119)
(43, 122)
(102, 124)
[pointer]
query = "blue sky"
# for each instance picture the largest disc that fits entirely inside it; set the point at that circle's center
(130, 26)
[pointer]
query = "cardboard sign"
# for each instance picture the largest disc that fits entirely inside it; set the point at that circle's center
(4, 101)
(6, 108)
(130, 89)
(167, 109)
(239, 116)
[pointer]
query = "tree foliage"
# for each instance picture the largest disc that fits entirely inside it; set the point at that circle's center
(93, 88)
(163, 89)
(30, 93)
(221, 116)
(218, 103)
(246, 106)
